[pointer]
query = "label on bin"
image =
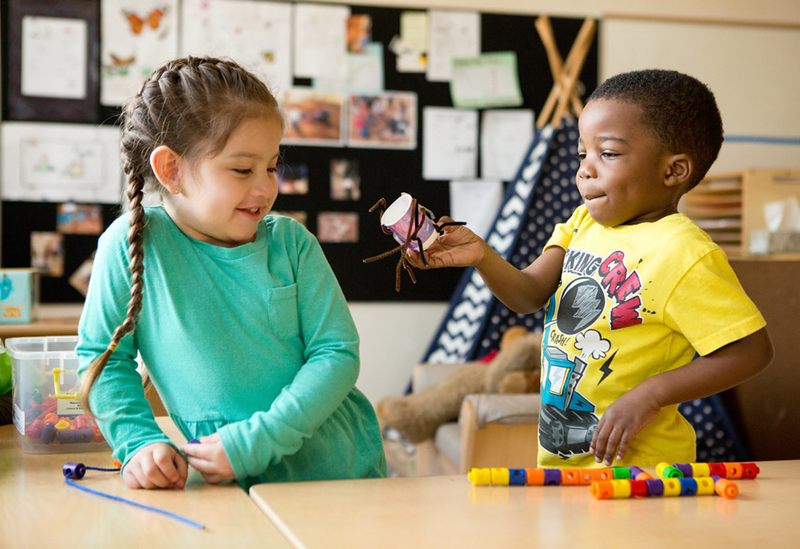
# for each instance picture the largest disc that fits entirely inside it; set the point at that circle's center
(19, 419)
(69, 406)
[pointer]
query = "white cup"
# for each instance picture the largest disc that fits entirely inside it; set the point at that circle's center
(398, 217)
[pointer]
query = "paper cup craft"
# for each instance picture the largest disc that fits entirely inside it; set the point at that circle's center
(398, 218)
(412, 226)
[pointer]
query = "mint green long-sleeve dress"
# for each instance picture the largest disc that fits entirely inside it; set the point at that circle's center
(254, 342)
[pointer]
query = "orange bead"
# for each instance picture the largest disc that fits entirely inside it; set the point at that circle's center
(570, 476)
(534, 477)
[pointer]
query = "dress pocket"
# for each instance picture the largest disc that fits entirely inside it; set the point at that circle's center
(284, 319)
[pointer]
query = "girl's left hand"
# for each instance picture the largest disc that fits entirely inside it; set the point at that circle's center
(209, 458)
(620, 423)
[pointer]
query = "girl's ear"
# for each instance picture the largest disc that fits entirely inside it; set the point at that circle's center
(679, 170)
(166, 166)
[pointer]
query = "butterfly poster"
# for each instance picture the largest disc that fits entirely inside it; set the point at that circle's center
(138, 37)
(257, 35)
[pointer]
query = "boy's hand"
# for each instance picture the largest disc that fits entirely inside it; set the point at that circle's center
(457, 246)
(621, 422)
(157, 465)
(210, 459)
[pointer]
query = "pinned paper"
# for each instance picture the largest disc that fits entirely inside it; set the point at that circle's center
(452, 34)
(477, 203)
(506, 136)
(54, 53)
(450, 143)
(485, 81)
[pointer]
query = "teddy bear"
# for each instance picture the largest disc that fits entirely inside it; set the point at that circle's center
(513, 369)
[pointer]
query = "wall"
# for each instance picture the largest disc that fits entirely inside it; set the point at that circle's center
(714, 39)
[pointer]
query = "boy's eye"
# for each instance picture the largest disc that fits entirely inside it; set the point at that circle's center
(609, 154)
(581, 155)
(242, 171)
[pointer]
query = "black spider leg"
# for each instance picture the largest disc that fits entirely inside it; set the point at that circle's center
(441, 226)
(422, 252)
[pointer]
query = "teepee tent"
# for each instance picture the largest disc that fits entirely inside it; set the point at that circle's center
(541, 195)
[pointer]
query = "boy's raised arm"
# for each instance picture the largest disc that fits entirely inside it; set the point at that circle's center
(523, 291)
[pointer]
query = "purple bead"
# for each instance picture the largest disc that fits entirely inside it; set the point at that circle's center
(552, 477)
(685, 468)
(194, 441)
(74, 470)
(655, 487)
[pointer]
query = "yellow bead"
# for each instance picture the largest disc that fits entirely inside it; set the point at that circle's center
(500, 476)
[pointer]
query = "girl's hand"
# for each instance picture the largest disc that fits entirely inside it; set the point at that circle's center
(621, 422)
(209, 458)
(457, 246)
(157, 465)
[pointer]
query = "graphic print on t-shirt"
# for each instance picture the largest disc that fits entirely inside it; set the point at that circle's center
(574, 342)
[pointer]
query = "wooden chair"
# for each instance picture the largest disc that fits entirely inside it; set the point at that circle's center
(492, 430)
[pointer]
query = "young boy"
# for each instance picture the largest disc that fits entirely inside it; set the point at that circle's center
(633, 288)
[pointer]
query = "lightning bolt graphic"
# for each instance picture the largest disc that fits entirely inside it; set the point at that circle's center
(606, 368)
(586, 306)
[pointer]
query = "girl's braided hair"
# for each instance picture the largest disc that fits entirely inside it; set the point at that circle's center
(191, 105)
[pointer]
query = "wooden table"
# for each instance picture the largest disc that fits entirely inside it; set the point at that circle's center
(38, 509)
(449, 512)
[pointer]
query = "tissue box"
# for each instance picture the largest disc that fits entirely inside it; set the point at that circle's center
(47, 413)
(781, 242)
(19, 295)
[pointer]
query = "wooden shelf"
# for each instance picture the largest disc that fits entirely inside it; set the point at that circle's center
(729, 205)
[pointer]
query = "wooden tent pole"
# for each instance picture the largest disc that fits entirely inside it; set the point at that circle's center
(565, 86)
(545, 30)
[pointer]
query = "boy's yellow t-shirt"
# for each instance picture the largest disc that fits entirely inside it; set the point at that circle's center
(633, 301)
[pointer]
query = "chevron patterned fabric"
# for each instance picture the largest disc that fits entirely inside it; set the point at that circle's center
(542, 194)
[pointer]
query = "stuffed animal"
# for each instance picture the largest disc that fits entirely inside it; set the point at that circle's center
(515, 369)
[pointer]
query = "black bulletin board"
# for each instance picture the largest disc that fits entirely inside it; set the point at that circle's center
(384, 173)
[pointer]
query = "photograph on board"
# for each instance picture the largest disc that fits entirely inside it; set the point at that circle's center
(292, 179)
(345, 179)
(385, 120)
(313, 117)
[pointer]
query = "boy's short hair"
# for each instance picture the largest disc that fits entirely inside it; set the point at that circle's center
(678, 109)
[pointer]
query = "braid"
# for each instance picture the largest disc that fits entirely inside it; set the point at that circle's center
(190, 105)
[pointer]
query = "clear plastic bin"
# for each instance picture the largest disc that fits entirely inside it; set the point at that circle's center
(47, 413)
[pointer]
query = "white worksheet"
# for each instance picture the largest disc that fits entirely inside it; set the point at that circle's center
(451, 34)
(320, 41)
(54, 55)
(257, 35)
(477, 203)
(450, 143)
(44, 162)
(138, 37)
(506, 135)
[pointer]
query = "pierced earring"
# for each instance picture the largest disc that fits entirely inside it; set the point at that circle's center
(176, 190)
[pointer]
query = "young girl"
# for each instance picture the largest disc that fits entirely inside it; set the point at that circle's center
(244, 330)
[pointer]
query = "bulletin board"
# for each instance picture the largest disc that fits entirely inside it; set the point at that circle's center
(384, 173)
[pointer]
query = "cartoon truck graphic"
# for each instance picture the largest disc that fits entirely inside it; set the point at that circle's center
(566, 420)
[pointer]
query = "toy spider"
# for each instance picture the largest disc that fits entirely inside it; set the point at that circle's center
(411, 236)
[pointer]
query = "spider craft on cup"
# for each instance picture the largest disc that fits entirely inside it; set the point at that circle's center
(412, 225)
